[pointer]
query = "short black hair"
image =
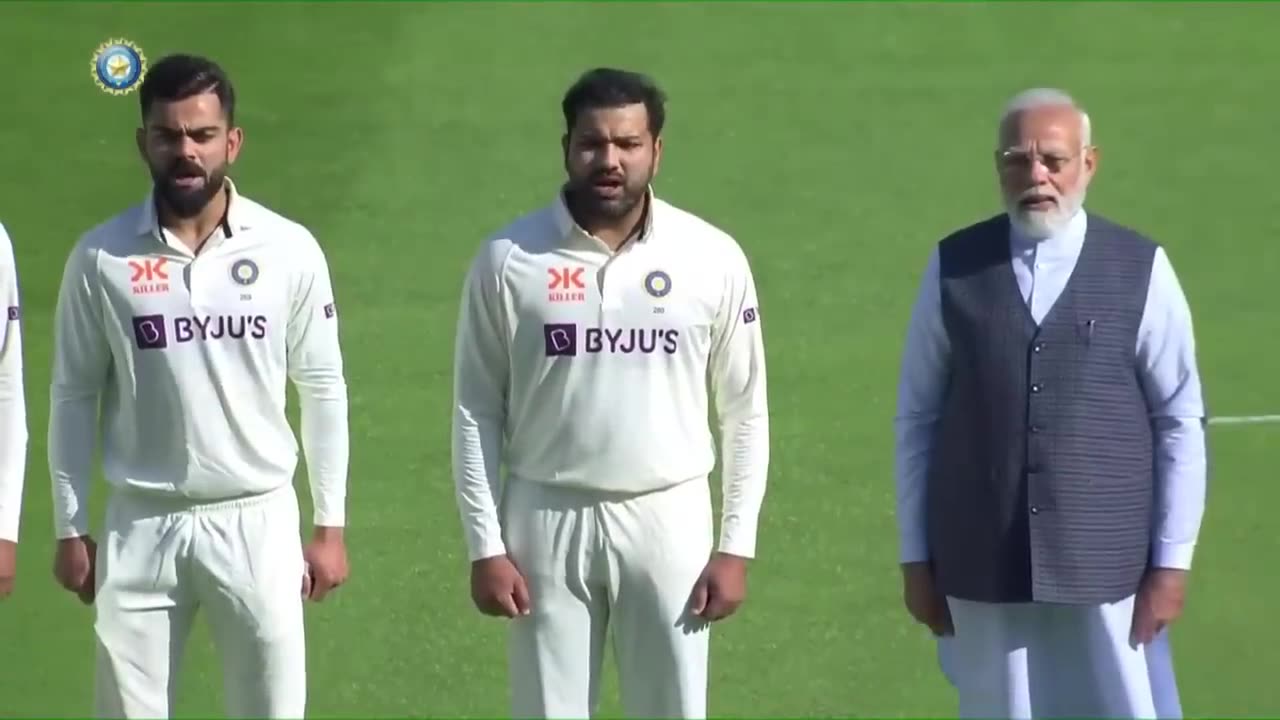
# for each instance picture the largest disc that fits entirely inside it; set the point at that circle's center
(180, 76)
(609, 88)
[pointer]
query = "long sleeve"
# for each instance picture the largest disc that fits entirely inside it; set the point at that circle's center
(480, 380)
(316, 370)
(13, 408)
(81, 361)
(921, 388)
(1166, 359)
(739, 387)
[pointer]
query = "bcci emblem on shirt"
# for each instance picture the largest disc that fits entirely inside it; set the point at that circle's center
(657, 284)
(244, 272)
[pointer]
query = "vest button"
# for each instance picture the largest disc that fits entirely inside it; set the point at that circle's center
(1035, 428)
(1038, 347)
(1035, 387)
(1035, 510)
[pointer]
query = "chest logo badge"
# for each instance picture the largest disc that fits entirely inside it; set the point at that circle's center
(657, 283)
(244, 272)
(566, 285)
(149, 275)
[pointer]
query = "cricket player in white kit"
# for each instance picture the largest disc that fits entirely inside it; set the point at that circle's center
(589, 332)
(183, 318)
(13, 416)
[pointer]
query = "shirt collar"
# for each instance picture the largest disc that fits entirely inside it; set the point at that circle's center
(569, 228)
(237, 217)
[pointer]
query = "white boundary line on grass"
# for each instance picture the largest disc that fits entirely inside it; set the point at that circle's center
(1244, 419)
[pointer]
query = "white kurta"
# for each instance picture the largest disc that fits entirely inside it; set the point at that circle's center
(1034, 660)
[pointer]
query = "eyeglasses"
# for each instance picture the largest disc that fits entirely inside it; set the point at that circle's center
(1014, 159)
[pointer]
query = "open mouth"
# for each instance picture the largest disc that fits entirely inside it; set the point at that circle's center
(1038, 202)
(188, 179)
(608, 187)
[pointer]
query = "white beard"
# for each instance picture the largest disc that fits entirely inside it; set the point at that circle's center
(1037, 224)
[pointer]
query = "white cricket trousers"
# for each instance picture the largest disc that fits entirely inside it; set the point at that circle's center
(1031, 660)
(595, 562)
(240, 562)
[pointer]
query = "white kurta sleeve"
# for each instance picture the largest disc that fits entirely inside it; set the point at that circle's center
(480, 385)
(1166, 358)
(316, 370)
(13, 408)
(739, 388)
(81, 362)
(921, 391)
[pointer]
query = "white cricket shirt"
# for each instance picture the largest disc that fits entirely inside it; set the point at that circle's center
(580, 367)
(190, 356)
(13, 409)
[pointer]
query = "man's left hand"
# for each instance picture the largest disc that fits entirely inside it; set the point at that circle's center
(326, 557)
(721, 588)
(1158, 603)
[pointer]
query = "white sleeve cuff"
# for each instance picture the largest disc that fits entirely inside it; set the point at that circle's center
(10, 519)
(738, 537)
(1174, 556)
(481, 546)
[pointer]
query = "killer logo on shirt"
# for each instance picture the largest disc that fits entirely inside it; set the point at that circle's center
(149, 275)
(15, 313)
(155, 332)
(562, 340)
(566, 285)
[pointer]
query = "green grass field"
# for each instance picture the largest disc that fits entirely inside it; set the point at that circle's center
(836, 141)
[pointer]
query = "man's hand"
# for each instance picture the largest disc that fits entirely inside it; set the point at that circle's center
(75, 565)
(1158, 603)
(8, 566)
(721, 588)
(498, 588)
(923, 600)
(326, 557)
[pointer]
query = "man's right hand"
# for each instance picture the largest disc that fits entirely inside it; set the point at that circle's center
(923, 600)
(498, 588)
(8, 566)
(74, 566)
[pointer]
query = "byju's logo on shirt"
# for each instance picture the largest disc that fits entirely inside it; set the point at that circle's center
(562, 340)
(153, 332)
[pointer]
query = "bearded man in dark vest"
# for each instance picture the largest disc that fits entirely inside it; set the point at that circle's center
(1050, 443)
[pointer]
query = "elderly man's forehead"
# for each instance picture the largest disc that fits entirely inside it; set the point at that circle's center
(1047, 123)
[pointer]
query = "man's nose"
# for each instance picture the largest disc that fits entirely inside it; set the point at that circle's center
(1040, 172)
(187, 146)
(609, 157)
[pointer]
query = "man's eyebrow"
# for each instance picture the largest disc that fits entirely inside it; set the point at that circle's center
(179, 131)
